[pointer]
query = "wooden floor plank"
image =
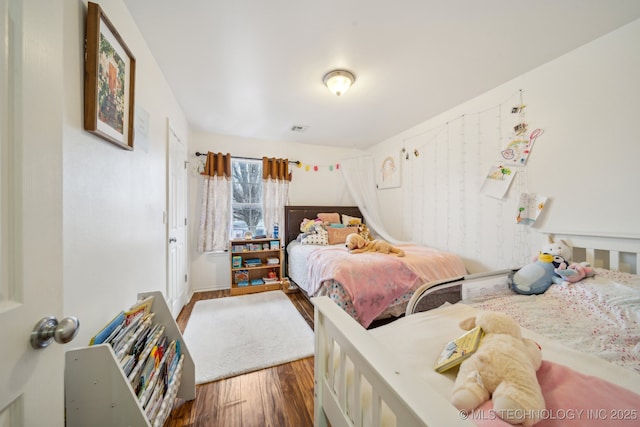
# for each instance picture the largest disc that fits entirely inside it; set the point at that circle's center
(279, 396)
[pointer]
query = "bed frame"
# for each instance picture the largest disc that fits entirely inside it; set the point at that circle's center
(415, 403)
(293, 216)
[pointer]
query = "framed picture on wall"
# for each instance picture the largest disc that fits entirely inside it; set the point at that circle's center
(387, 171)
(109, 81)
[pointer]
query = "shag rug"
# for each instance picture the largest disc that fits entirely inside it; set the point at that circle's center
(235, 335)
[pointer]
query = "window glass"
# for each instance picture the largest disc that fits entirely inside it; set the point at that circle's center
(246, 201)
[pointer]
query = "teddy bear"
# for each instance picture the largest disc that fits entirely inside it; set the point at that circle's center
(356, 244)
(502, 369)
(574, 273)
(537, 277)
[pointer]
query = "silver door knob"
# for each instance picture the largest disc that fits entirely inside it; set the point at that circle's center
(48, 329)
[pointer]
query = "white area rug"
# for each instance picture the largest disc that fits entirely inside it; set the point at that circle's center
(235, 335)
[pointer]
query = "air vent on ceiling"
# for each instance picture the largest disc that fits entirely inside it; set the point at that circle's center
(299, 128)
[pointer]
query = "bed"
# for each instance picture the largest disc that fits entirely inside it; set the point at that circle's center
(368, 286)
(591, 339)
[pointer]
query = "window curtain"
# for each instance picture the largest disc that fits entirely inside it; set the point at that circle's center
(215, 213)
(361, 182)
(275, 192)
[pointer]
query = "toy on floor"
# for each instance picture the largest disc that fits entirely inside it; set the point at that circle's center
(536, 278)
(502, 369)
(356, 245)
(574, 273)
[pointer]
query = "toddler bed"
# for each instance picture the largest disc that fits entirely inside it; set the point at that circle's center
(367, 286)
(591, 327)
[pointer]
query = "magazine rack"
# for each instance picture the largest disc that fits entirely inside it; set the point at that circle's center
(98, 393)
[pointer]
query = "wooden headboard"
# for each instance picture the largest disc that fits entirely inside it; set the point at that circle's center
(293, 216)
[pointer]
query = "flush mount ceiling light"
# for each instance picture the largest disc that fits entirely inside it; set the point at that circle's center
(338, 81)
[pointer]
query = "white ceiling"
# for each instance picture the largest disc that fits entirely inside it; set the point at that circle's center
(254, 68)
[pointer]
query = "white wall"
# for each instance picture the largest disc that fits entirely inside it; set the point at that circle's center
(586, 161)
(114, 199)
(324, 187)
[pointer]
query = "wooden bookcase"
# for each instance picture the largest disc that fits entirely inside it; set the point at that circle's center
(98, 393)
(261, 251)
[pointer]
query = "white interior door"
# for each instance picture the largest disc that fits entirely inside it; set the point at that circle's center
(177, 279)
(31, 101)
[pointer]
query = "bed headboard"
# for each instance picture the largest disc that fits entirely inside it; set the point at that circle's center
(617, 252)
(293, 216)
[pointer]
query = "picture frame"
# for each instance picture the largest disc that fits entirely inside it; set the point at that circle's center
(387, 171)
(109, 81)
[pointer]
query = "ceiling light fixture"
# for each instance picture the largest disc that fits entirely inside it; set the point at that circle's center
(339, 81)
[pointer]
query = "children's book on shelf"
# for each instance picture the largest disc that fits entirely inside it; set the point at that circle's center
(236, 261)
(241, 276)
(274, 244)
(459, 349)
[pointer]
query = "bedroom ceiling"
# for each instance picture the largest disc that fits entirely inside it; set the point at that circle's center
(254, 68)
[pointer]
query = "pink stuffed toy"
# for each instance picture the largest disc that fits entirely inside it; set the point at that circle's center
(574, 272)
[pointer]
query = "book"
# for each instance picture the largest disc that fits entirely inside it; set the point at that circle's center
(241, 275)
(255, 282)
(236, 261)
(107, 332)
(274, 244)
(459, 349)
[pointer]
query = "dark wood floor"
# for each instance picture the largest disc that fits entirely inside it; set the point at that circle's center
(279, 396)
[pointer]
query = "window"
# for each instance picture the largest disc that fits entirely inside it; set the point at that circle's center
(246, 200)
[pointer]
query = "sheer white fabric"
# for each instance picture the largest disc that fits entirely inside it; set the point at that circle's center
(215, 214)
(359, 176)
(275, 195)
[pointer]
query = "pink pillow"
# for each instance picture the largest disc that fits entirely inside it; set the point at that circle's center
(339, 235)
(329, 217)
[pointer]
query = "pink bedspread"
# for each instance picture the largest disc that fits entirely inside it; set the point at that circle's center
(574, 399)
(373, 280)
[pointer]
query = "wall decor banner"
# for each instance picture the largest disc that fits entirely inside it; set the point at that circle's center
(387, 171)
(109, 81)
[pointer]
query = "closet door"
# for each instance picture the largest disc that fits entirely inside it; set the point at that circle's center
(177, 276)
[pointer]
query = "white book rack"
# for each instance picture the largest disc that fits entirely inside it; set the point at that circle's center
(98, 393)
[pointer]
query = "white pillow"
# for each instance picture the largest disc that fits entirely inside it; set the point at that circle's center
(320, 238)
(351, 220)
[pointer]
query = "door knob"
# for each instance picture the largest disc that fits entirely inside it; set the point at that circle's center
(48, 329)
(172, 240)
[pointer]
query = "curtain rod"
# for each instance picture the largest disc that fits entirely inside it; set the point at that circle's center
(198, 154)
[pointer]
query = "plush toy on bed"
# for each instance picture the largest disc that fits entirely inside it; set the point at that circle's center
(363, 231)
(574, 273)
(356, 244)
(560, 248)
(536, 278)
(502, 369)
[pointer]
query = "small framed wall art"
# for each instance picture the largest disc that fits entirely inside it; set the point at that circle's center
(387, 171)
(109, 81)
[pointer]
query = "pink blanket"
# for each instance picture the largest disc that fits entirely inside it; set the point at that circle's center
(373, 280)
(574, 399)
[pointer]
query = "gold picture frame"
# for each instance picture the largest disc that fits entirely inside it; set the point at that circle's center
(109, 81)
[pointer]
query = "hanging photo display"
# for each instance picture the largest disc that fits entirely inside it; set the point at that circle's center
(521, 139)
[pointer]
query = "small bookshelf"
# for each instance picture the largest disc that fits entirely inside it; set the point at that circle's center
(256, 265)
(98, 391)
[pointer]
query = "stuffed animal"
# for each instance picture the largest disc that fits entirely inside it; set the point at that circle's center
(356, 245)
(502, 369)
(560, 248)
(363, 231)
(574, 273)
(535, 278)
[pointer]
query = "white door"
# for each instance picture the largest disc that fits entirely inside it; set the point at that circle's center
(177, 279)
(31, 102)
